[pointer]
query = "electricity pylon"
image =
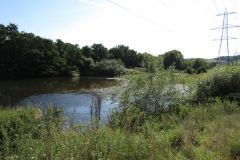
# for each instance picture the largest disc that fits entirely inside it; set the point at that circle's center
(224, 36)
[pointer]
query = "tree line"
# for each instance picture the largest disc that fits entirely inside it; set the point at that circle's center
(174, 59)
(25, 55)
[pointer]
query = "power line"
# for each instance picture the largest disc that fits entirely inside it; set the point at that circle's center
(137, 15)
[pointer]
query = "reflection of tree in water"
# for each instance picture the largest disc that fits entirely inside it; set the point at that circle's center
(13, 91)
(95, 107)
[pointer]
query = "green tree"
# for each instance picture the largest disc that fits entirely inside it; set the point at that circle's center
(119, 52)
(88, 66)
(128, 56)
(148, 61)
(87, 52)
(197, 63)
(99, 52)
(26, 55)
(173, 58)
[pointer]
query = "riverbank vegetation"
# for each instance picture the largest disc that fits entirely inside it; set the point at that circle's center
(25, 55)
(165, 114)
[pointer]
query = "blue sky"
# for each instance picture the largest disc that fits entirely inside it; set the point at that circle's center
(153, 26)
(43, 16)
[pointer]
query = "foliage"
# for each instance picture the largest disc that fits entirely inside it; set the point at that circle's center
(153, 93)
(201, 70)
(235, 149)
(173, 58)
(219, 82)
(100, 52)
(176, 138)
(128, 56)
(109, 67)
(154, 122)
(88, 66)
(189, 70)
(148, 61)
(198, 63)
(32, 123)
(207, 132)
(130, 118)
(25, 55)
(137, 130)
(87, 52)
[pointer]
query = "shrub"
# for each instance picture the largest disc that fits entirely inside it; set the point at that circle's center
(18, 123)
(173, 58)
(233, 97)
(201, 70)
(219, 82)
(88, 65)
(109, 67)
(153, 94)
(72, 71)
(189, 70)
(13, 123)
(199, 63)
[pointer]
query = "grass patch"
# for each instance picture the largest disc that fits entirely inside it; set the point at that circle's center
(145, 127)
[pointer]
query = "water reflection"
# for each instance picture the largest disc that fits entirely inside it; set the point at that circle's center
(80, 98)
(78, 107)
(95, 108)
(12, 91)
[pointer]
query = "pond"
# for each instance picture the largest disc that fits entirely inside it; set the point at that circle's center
(81, 98)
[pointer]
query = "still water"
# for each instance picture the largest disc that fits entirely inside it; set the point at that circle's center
(81, 98)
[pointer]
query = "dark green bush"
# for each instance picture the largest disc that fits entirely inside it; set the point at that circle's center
(201, 70)
(173, 58)
(109, 67)
(189, 70)
(199, 63)
(233, 97)
(219, 82)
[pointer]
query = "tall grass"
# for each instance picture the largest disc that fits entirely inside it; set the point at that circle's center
(202, 132)
(154, 122)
